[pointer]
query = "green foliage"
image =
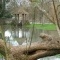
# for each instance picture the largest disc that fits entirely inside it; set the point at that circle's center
(7, 14)
(3, 12)
(0, 10)
(13, 24)
(0, 7)
(26, 22)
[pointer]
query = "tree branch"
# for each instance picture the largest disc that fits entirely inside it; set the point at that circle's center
(37, 50)
(46, 14)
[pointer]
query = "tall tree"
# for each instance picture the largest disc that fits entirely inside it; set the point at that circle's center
(53, 17)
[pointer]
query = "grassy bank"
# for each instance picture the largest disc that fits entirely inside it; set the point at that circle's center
(42, 26)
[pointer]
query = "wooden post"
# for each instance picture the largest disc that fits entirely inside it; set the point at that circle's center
(23, 25)
(25, 16)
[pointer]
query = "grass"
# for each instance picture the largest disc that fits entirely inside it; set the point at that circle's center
(42, 26)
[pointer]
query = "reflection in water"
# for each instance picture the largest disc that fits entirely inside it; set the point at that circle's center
(13, 41)
(27, 35)
(20, 33)
(10, 39)
(49, 58)
(7, 33)
(26, 42)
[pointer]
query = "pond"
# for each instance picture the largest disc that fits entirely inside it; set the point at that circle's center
(19, 36)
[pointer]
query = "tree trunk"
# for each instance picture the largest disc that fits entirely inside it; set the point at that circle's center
(36, 50)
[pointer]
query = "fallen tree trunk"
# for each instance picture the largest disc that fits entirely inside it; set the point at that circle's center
(36, 50)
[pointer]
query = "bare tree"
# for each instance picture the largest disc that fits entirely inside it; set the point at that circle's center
(53, 17)
(37, 49)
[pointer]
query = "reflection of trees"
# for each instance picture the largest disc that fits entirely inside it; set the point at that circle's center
(35, 50)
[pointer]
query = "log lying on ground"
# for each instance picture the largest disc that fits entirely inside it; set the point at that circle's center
(37, 50)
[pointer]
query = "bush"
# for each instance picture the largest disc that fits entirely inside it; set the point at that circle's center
(26, 22)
